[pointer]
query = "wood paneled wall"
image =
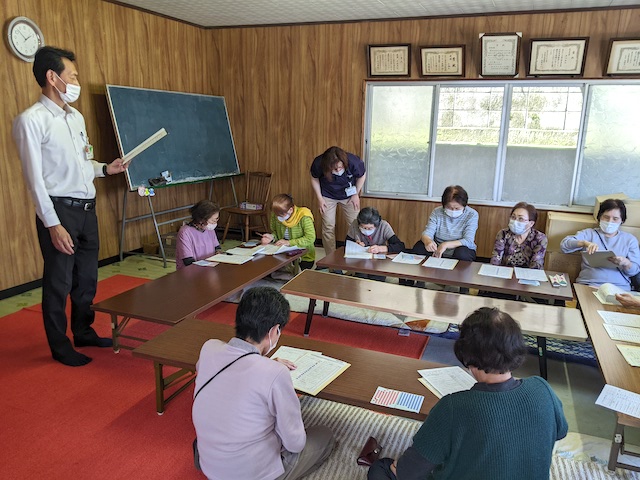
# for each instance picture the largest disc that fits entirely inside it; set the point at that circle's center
(294, 91)
(291, 92)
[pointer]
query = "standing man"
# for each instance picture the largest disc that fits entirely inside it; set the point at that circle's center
(58, 167)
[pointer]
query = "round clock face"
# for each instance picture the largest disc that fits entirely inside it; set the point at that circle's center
(25, 38)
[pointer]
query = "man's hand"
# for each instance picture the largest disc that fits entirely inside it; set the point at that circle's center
(440, 250)
(117, 166)
(355, 201)
(61, 239)
(287, 363)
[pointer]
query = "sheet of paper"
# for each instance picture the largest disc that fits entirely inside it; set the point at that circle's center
(533, 283)
(292, 353)
(314, 372)
(245, 251)
(274, 250)
(205, 263)
(144, 145)
(409, 402)
(599, 259)
(530, 274)
(232, 259)
(441, 263)
(353, 250)
(447, 380)
(496, 271)
(630, 353)
(619, 318)
(408, 258)
(619, 400)
(623, 334)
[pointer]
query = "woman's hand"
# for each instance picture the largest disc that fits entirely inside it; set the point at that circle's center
(622, 262)
(628, 300)
(322, 204)
(355, 201)
(431, 246)
(360, 243)
(440, 250)
(287, 363)
(378, 249)
(589, 247)
(266, 239)
(393, 467)
(282, 242)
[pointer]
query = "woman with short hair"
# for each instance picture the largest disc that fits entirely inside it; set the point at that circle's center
(625, 260)
(197, 240)
(502, 427)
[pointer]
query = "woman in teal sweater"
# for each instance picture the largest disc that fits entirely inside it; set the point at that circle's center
(502, 429)
(292, 226)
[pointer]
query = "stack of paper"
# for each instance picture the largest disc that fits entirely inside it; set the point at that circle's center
(408, 258)
(353, 250)
(275, 249)
(530, 274)
(441, 263)
(624, 327)
(619, 400)
(607, 293)
(409, 402)
(245, 251)
(623, 334)
(232, 259)
(314, 371)
(446, 380)
(496, 271)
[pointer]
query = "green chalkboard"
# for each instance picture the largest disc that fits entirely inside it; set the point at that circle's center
(199, 145)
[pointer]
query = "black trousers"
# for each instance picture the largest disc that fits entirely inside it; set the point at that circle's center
(64, 274)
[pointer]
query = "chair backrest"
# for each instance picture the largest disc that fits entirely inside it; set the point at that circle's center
(258, 188)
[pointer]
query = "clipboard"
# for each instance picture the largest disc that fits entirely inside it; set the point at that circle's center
(599, 259)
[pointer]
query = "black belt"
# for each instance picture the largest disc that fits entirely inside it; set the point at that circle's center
(76, 202)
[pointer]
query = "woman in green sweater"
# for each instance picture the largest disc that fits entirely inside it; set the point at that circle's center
(502, 429)
(292, 226)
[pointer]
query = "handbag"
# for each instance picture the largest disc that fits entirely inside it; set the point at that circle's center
(370, 452)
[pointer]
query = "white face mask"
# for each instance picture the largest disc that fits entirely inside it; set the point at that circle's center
(284, 218)
(453, 213)
(366, 232)
(339, 173)
(271, 347)
(71, 95)
(517, 227)
(211, 226)
(609, 227)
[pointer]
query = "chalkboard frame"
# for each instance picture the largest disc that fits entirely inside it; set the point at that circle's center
(133, 184)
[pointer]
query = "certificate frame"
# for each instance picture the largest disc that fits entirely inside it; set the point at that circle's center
(500, 54)
(442, 60)
(557, 57)
(389, 60)
(623, 58)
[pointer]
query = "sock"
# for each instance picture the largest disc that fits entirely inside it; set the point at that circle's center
(71, 358)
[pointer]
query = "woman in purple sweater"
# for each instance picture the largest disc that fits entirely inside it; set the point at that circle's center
(197, 240)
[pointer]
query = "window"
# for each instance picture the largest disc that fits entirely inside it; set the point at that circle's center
(549, 143)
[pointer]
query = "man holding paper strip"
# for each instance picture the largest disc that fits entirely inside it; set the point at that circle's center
(58, 167)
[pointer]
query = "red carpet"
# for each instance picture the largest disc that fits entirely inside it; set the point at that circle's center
(99, 421)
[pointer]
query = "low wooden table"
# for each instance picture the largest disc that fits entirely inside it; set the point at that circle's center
(180, 347)
(170, 299)
(615, 369)
(465, 274)
(542, 321)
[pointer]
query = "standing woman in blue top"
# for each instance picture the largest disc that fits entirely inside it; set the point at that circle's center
(451, 229)
(337, 177)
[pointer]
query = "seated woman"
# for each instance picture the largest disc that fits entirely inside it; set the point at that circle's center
(502, 428)
(369, 230)
(520, 245)
(625, 261)
(197, 240)
(292, 226)
(247, 416)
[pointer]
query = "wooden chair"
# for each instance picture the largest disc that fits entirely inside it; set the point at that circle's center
(258, 185)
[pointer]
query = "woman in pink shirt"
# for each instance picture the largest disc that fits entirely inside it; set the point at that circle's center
(197, 240)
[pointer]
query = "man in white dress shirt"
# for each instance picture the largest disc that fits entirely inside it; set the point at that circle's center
(58, 167)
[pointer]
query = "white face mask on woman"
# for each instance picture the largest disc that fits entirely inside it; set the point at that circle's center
(284, 218)
(609, 227)
(453, 213)
(271, 347)
(339, 173)
(72, 94)
(366, 232)
(211, 226)
(517, 227)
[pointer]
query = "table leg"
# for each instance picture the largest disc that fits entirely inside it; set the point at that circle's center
(312, 307)
(325, 309)
(159, 388)
(114, 333)
(542, 356)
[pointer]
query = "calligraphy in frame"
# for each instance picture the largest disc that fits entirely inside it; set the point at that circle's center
(624, 57)
(500, 54)
(557, 56)
(442, 61)
(389, 60)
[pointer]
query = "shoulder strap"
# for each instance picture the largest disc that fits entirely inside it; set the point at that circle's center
(222, 370)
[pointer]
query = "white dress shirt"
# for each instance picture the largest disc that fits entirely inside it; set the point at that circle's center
(51, 142)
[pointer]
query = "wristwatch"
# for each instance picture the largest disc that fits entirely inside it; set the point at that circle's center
(104, 170)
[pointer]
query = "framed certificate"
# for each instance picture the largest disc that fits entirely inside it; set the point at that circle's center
(624, 57)
(442, 61)
(389, 60)
(500, 54)
(560, 57)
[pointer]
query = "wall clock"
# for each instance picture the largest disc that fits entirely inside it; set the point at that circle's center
(24, 38)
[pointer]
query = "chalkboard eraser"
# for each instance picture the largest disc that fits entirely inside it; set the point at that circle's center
(154, 182)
